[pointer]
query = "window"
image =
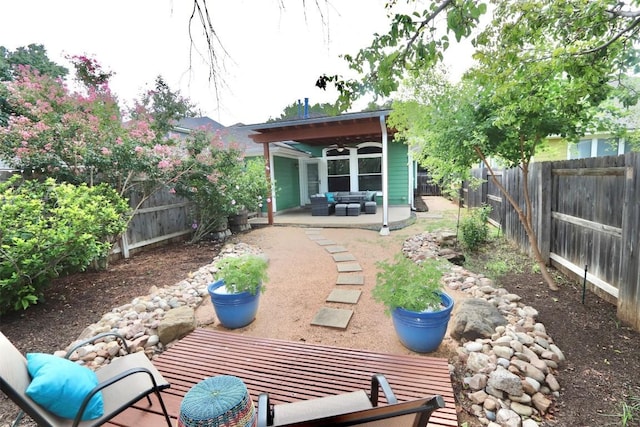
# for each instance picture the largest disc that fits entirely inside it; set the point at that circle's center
(607, 147)
(580, 150)
(597, 147)
(370, 168)
(338, 171)
(350, 165)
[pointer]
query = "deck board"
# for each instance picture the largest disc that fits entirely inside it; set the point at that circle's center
(290, 371)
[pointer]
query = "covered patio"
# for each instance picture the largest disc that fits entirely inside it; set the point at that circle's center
(399, 217)
(353, 152)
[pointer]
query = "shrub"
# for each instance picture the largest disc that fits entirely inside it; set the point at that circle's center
(47, 229)
(244, 273)
(409, 285)
(474, 229)
(218, 182)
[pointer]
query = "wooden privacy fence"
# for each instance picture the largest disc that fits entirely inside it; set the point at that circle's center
(586, 215)
(162, 217)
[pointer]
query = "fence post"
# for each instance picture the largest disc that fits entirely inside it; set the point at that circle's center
(484, 188)
(544, 190)
(629, 295)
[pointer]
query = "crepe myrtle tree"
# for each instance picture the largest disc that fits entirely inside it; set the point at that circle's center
(217, 179)
(81, 137)
(532, 80)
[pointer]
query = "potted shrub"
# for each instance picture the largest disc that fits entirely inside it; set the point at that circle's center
(236, 292)
(412, 293)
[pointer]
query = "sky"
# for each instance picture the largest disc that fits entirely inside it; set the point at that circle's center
(274, 50)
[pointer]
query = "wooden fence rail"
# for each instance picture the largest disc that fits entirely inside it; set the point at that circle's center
(586, 215)
(162, 217)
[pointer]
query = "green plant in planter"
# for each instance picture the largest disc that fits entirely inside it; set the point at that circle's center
(245, 273)
(409, 285)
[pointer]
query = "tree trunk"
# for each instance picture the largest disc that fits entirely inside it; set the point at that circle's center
(525, 220)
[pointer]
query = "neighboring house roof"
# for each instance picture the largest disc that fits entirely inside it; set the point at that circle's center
(187, 124)
(237, 134)
(345, 129)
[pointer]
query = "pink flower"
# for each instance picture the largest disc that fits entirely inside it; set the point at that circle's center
(164, 164)
(105, 151)
(172, 191)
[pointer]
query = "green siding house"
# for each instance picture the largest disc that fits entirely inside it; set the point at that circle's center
(350, 152)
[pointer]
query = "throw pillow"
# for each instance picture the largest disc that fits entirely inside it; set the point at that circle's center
(60, 385)
(330, 198)
(371, 196)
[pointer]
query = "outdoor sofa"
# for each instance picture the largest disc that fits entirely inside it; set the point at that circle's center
(324, 204)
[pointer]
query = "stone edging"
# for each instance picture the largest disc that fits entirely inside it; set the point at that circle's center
(509, 374)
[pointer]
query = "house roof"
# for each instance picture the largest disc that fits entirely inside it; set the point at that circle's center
(346, 129)
(187, 124)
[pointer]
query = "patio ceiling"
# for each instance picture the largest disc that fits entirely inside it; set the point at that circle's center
(347, 130)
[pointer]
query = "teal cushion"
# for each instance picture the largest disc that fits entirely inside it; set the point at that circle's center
(330, 198)
(60, 386)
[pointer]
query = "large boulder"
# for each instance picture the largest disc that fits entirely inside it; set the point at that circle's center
(177, 323)
(476, 318)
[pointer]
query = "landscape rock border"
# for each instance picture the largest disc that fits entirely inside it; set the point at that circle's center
(510, 371)
(151, 323)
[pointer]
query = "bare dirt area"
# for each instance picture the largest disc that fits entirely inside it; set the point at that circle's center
(603, 356)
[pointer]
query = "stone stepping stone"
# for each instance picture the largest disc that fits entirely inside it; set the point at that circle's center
(341, 257)
(348, 267)
(316, 237)
(325, 242)
(344, 296)
(350, 279)
(332, 318)
(335, 249)
(313, 230)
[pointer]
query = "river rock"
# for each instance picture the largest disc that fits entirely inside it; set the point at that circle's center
(177, 323)
(475, 318)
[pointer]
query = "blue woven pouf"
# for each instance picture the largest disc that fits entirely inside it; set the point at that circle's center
(216, 402)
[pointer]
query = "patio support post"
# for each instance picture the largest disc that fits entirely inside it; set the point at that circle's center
(384, 231)
(267, 171)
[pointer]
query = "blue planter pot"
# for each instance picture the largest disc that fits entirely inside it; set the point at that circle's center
(233, 310)
(422, 332)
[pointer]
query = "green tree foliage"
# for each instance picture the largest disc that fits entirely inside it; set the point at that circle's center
(165, 106)
(33, 56)
(533, 79)
(413, 44)
(47, 229)
(296, 111)
(80, 137)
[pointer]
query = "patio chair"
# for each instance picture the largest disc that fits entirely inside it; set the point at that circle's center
(123, 382)
(320, 205)
(350, 409)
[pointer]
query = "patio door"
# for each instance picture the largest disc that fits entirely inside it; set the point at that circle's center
(312, 178)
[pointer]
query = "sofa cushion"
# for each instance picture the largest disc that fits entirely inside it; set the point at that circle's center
(330, 197)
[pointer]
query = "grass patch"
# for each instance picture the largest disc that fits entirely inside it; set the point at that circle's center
(629, 412)
(498, 257)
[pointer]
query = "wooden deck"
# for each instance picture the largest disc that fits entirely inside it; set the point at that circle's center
(289, 371)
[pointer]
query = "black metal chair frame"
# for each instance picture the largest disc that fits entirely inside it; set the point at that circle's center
(11, 359)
